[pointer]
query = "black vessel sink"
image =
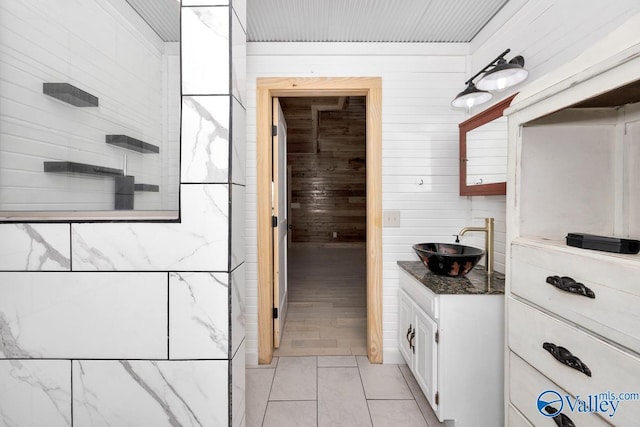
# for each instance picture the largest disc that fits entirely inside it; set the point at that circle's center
(448, 259)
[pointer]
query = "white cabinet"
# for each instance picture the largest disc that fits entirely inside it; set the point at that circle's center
(419, 347)
(453, 344)
(574, 157)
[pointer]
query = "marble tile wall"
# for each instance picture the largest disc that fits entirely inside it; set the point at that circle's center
(142, 323)
(35, 247)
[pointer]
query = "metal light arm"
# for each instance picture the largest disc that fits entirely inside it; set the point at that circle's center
(491, 64)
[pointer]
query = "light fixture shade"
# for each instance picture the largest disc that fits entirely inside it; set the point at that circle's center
(504, 75)
(470, 96)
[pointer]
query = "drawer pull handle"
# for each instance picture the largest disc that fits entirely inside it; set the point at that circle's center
(567, 284)
(561, 420)
(409, 333)
(411, 345)
(564, 356)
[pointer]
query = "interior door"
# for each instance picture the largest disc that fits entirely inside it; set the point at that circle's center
(280, 221)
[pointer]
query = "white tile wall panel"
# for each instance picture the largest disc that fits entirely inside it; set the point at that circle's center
(240, 8)
(238, 212)
(83, 315)
(178, 269)
(198, 243)
(238, 60)
(238, 388)
(238, 307)
(205, 51)
(32, 247)
(35, 393)
(239, 142)
(205, 139)
(198, 315)
(153, 393)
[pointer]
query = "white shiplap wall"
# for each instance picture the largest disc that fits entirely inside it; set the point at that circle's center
(112, 55)
(420, 142)
(420, 133)
(548, 33)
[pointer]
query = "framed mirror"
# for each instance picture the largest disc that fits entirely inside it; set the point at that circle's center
(483, 152)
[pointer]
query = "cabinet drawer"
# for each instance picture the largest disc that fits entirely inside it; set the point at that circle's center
(613, 313)
(420, 294)
(610, 369)
(526, 385)
(516, 419)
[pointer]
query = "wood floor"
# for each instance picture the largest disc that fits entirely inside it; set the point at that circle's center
(327, 303)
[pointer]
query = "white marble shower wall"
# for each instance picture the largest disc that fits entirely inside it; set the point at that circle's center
(142, 323)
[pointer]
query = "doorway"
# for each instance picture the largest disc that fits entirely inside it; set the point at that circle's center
(267, 89)
(325, 306)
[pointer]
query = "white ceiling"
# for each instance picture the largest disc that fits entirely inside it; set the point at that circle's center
(368, 20)
(163, 16)
(342, 20)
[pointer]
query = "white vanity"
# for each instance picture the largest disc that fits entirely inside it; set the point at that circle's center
(452, 338)
(573, 314)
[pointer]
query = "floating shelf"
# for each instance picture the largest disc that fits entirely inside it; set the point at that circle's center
(147, 187)
(129, 143)
(70, 94)
(81, 168)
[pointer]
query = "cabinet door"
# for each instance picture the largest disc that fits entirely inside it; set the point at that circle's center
(405, 327)
(426, 356)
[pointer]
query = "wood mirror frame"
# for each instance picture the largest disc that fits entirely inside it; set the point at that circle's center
(486, 116)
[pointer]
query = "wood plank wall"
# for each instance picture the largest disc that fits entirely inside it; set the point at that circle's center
(328, 169)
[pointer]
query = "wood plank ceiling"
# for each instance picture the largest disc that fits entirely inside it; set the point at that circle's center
(368, 20)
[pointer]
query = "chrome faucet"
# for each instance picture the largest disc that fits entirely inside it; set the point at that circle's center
(488, 242)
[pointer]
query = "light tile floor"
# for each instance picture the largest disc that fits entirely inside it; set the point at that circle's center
(327, 312)
(334, 391)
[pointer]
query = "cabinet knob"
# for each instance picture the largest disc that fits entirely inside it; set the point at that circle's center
(568, 284)
(565, 357)
(561, 420)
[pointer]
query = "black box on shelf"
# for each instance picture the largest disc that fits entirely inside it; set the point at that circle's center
(603, 243)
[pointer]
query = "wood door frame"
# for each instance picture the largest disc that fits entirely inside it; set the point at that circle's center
(371, 88)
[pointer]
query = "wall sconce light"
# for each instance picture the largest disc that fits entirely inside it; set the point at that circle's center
(498, 75)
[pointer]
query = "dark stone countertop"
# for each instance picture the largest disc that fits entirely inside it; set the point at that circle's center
(476, 282)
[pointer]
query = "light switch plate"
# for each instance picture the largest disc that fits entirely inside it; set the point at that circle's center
(391, 219)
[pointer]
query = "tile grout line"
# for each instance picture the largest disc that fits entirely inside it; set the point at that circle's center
(364, 391)
(414, 397)
(264, 414)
